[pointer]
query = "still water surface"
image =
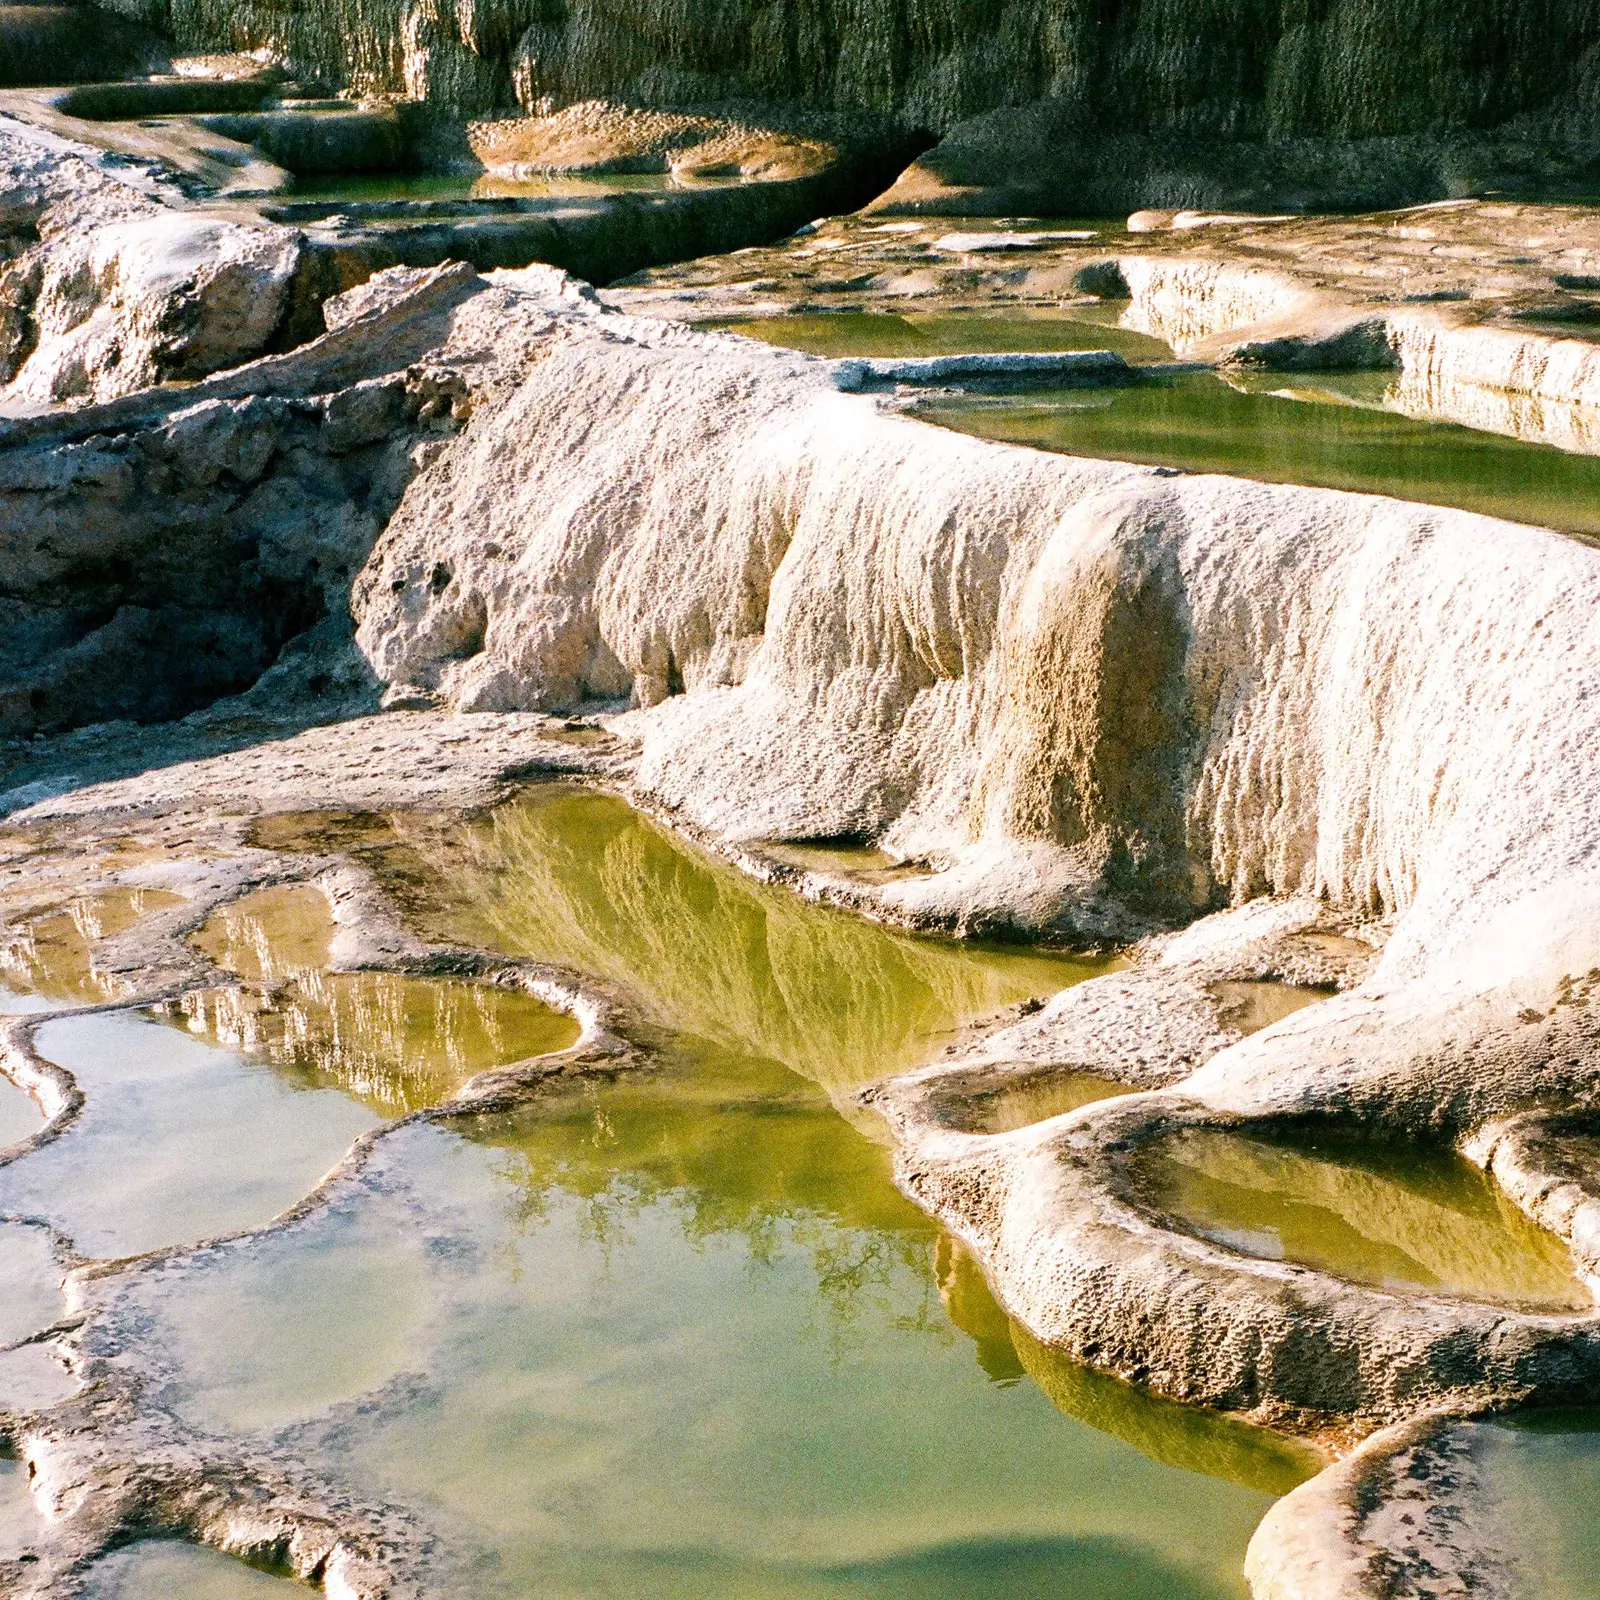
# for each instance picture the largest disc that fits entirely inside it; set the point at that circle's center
(676, 1333)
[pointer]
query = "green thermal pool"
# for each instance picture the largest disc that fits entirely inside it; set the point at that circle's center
(1542, 1471)
(674, 1333)
(163, 1569)
(871, 333)
(1304, 433)
(1392, 1215)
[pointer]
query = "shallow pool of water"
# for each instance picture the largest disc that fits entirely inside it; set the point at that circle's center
(677, 1334)
(1542, 1471)
(853, 862)
(165, 1569)
(19, 1522)
(1249, 1007)
(1394, 1215)
(48, 962)
(19, 1114)
(29, 1296)
(680, 1336)
(579, 879)
(179, 1139)
(396, 1043)
(871, 333)
(1197, 422)
(1034, 1098)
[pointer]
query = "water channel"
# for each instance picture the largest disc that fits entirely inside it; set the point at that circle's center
(1392, 1214)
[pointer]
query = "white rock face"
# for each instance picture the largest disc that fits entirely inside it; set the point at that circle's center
(122, 291)
(1177, 690)
(157, 298)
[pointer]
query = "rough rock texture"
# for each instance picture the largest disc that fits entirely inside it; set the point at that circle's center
(160, 299)
(105, 289)
(153, 568)
(1132, 102)
(1362, 67)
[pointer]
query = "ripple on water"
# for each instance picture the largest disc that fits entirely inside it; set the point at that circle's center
(1394, 1215)
(678, 1334)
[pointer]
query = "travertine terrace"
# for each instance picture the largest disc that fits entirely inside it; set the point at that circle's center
(302, 513)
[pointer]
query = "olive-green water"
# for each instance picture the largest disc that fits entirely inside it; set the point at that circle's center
(1394, 1215)
(675, 1332)
(1542, 1473)
(162, 1569)
(871, 333)
(1301, 434)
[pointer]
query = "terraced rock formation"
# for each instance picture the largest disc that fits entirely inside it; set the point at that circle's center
(1050, 109)
(1255, 733)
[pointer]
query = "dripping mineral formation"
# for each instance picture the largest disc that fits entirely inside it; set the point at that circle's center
(334, 516)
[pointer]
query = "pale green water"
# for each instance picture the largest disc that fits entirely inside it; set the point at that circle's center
(1543, 1476)
(19, 1113)
(872, 333)
(179, 1140)
(162, 1569)
(19, 1522)
(678, 1334)
(1197, 422)
(1394, 1215)
(29, 1299)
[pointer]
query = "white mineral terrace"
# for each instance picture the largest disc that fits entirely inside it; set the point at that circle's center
(311, 594)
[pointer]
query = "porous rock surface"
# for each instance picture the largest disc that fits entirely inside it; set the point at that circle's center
(105, 289)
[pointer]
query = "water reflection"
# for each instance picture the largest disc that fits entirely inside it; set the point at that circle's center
(677, 1333)
(1201, 424)
(872, 333)
(396, 1043)
(579, 879)
(178, 1140)
(49, 961)
(1248, 1007)
(1399, 1216)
